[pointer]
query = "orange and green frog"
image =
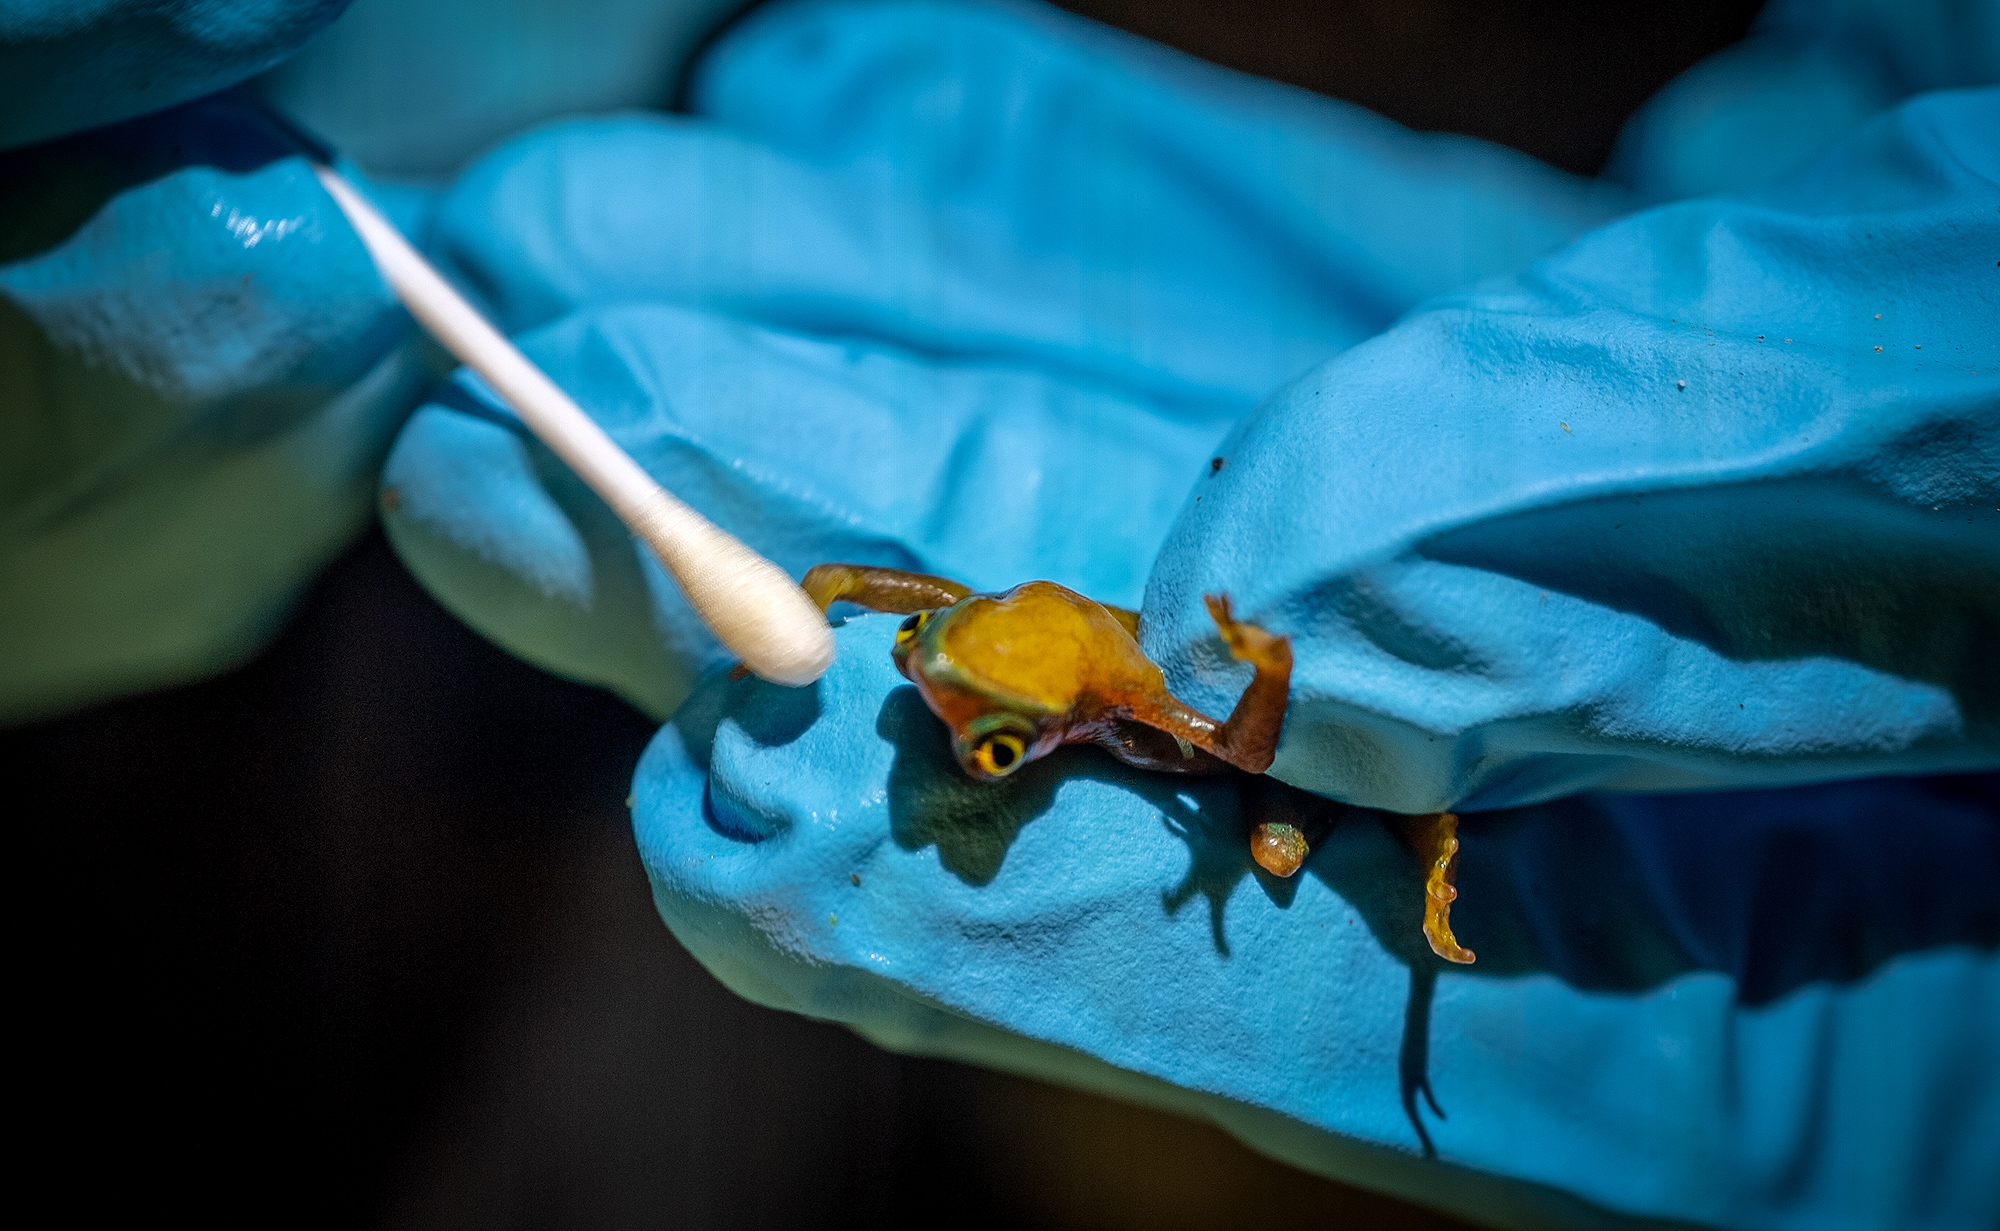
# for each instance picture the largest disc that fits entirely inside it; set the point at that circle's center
(1016, 675)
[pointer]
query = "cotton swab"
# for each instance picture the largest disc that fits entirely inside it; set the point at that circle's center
(750, 604)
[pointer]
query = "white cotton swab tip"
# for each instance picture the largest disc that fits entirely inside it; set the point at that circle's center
(751, 604)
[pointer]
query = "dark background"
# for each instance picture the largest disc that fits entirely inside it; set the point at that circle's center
(356, 934)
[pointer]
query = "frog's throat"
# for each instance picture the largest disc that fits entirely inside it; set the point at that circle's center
(942, 669)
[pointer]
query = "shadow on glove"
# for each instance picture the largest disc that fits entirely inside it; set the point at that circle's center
(1609, 893)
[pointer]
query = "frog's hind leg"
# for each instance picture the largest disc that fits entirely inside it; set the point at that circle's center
(881, 589)
(1436, 839)
(1249, 739)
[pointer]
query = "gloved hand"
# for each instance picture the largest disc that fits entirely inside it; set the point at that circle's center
(1031, 311)
(1762, 1009)
(1665, 1045)
(76, 64)
(1766, 1009)
(203, 375)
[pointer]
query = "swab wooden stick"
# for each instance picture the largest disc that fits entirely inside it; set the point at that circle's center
(750, 604)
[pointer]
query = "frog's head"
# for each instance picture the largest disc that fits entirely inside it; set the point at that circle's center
(982, 668)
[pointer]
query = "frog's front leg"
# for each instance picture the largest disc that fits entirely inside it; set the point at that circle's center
(878, 589)
(1249, 740)
(881, 589)
(1250, 737)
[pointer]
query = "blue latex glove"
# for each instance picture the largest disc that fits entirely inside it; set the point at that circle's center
(1655, 1047)
(204, 373)
(1031, 311)
(1765, 1009)
(76, 64)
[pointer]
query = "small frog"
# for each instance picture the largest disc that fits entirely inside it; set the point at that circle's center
(1016, 675)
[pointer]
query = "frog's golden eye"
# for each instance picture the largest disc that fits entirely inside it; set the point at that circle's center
(1000, 753)
(907, 631)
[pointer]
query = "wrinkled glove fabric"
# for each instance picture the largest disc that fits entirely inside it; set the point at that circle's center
(1709, 499)
(1162, 268)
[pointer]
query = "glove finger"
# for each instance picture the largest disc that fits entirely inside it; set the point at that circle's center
(809, 450)
(1808, 75)
(1672, 509)
(975, 181)
(211, 371)
(1665, 1021)
(420, 90)
(1385, 215)
(71, 66)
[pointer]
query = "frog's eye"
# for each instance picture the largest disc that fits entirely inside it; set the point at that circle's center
(907, 631)
(1000, 753)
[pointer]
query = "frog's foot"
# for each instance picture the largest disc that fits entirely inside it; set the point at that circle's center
(1253, 645)
(1278, 848)
(1436, 839)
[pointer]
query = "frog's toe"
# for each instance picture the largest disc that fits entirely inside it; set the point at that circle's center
(1246, 641)
(1218, 610)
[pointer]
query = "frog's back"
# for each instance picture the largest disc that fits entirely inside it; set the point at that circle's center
(1048, 644)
